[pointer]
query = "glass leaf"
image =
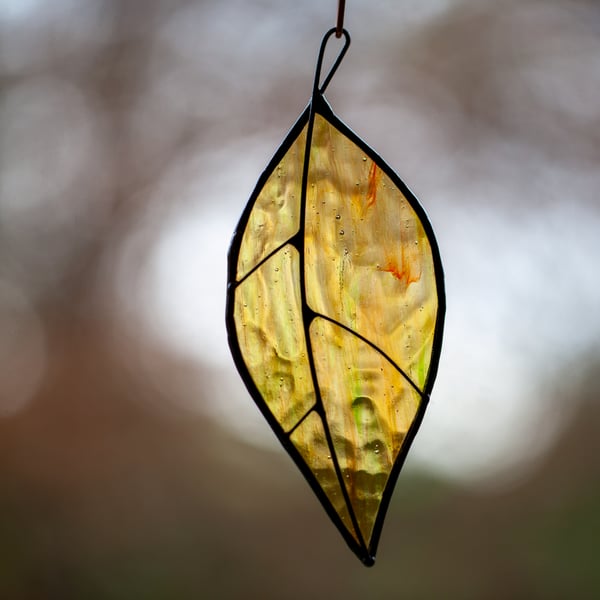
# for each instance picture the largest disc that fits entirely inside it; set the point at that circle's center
(334, 313)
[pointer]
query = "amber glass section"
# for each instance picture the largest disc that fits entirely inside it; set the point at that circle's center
(309, 438)
(369, 407)
(348, 395)
(369, 264)
(270, 333)
(275, 217)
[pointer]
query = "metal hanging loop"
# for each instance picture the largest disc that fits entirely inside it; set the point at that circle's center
(336, 64)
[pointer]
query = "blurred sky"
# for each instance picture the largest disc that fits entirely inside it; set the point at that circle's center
(132, 135)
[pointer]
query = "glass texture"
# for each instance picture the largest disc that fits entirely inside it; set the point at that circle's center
(275, 217)
(336, 310)
(270, 331)
(369, 407)
(309, 439)
(369, 264)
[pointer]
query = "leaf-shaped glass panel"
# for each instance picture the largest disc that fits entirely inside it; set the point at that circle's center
(335, 308)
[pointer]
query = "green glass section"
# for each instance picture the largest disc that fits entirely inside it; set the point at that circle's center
(369, 264)
(270, 333)
(369, 408)
(275, 217)
(309, 439)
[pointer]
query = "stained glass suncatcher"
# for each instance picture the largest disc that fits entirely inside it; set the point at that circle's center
(335, 308)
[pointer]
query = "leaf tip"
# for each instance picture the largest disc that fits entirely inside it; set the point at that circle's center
(368, 560)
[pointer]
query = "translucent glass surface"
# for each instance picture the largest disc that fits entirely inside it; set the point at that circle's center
(369, 408)
(309, 439)
(335, 309)
(369, 264)
(275, 216)
(269, 328)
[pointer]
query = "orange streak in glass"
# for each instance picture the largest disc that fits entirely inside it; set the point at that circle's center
(374, 176)
(408, 273)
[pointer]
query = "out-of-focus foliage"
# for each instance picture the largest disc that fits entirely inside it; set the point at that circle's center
(116, 118)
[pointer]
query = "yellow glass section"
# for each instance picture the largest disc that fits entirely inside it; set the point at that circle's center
(275, 217)
(369, 264)
(369, 408)
(309, 439)
(369, 277)
(270, 333)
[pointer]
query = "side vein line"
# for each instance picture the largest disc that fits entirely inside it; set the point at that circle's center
(377, 349)
(266, 258)
(302, 419)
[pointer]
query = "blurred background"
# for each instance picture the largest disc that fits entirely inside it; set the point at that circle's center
(133, 464)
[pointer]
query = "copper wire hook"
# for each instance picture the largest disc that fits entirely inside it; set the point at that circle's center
(340, 18)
